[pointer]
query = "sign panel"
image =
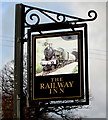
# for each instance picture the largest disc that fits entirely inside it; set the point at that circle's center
(57, 60)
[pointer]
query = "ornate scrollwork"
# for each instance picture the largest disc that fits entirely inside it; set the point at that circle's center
(36, 20)
(90, 14)
(59, 17)
(31, 18)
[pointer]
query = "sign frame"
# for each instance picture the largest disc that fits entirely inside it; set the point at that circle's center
(85, 99)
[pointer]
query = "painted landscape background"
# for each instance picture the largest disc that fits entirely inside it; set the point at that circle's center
(56, 42)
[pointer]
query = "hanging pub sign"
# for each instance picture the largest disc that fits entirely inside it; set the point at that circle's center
(57, 60)
(58, 66)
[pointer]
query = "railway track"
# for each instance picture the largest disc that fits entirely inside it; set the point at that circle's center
(44, 73)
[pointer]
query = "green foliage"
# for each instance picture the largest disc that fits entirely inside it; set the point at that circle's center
(75, 70)
(38, 67)
(39, 56)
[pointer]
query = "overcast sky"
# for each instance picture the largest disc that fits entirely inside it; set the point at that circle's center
(96, 43)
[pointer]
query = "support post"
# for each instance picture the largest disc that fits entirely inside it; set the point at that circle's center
(18, 66)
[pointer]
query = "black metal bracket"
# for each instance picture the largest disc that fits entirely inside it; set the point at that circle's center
(29, 18)
(55, 16)
(32, 17)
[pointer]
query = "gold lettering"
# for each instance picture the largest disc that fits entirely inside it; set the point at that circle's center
(50, 91)
(51, 85)
(47, 86)
(61, 79)
(60, 84)
(66, 84)
(52, 79)
(41, 85)
(71, 83)
(61, 90)
(54, 85)
(55, 90)
(56, 79)
(57, 85)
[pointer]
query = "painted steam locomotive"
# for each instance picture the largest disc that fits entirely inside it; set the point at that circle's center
(55, 58)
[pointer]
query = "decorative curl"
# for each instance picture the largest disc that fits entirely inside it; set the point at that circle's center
(33, 17)
(59, 18)
(90, 14)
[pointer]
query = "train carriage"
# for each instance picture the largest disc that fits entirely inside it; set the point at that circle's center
(55, 58)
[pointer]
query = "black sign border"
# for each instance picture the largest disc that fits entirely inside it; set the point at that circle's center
(80, 61)
(56, 26)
